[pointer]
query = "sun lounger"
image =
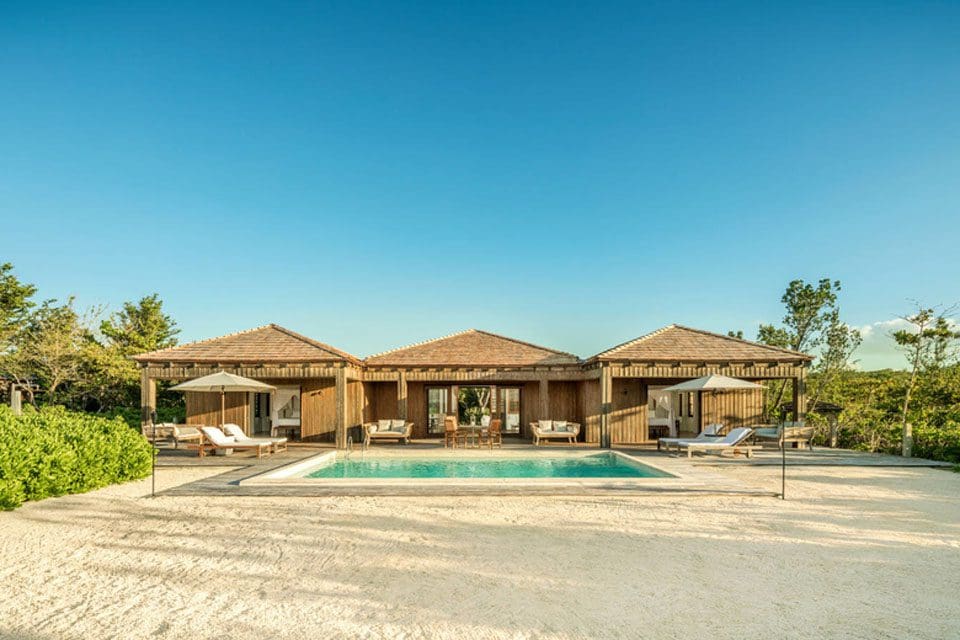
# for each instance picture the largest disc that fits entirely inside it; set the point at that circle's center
(387, 430)
(788, 433)
(182, 434)
(276, 444)
(215, 439)
(734, 441)
(709, 434)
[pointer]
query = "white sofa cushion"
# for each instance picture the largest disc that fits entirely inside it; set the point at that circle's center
(545, 425)
(398, 425)
(560, 425)
(384, 425)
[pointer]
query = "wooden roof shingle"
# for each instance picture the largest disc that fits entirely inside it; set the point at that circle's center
(676, 343)
(473, 348)
(269, 343)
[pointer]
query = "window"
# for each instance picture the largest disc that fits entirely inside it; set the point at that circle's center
(436, 408)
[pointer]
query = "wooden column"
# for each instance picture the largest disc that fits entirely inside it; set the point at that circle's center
(148, 399)
(606, 404)
(340, 427)
(799, 398)
(402, 395)
(545, 400)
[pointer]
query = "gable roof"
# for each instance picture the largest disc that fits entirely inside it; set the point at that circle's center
(269, 343)
(473, 348)
(679, 343)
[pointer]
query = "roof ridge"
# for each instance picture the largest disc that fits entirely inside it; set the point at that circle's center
(333, 351)
(753, 343)
(526, 344)
(418, 344)
(630, 343)
(316, 343)
(196, 342)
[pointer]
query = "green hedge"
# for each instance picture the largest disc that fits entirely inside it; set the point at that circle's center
(52, 452)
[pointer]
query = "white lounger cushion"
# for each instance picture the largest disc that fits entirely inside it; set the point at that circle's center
(735, 437)
(707, 435)
(240, 437)
(217, 437)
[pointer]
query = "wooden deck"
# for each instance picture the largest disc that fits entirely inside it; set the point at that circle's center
(819, 457)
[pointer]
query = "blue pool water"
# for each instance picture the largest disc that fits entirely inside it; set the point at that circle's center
(601, 465)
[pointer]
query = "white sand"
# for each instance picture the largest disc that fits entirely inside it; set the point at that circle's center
(856, 553)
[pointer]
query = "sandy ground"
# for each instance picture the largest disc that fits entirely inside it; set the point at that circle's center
(856, 553)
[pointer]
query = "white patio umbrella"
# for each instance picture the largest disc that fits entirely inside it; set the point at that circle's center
(714, 382)
(221, 382)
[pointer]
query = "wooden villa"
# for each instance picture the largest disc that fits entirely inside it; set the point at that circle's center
(323, 392)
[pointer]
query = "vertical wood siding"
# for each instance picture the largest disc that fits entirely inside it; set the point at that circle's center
(204, 409)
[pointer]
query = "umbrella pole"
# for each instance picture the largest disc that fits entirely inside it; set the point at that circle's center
(223, 408)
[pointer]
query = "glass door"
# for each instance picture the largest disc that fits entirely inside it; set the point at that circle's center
(437, 407)
(509, 409)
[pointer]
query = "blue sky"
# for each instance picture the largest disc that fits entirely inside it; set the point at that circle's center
(574, 174)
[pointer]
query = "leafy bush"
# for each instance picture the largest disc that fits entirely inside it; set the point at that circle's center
(937, 442)
(52, 452)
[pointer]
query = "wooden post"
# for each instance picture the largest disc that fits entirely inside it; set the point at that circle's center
(799, 399)
(545, 401)
(16, 399)
(148, 400)
(340, 427)
(606, 404)
(402, 395)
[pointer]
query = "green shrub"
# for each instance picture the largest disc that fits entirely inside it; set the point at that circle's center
(937, 442)
(52, 452)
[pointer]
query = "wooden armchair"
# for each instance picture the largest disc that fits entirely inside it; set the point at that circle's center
(451, 434)
(492, 435)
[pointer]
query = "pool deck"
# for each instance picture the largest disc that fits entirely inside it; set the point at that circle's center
(242, 472)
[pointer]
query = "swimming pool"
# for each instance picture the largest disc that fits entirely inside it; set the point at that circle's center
(599, 465)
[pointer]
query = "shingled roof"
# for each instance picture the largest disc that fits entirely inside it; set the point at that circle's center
(269, 343)
(676, 343)
(473, 348)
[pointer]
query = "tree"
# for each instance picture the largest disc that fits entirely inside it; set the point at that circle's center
(51, 346)
(839, 343)
(15, 305)
(809, 311)
(140, 327)
(927, 344)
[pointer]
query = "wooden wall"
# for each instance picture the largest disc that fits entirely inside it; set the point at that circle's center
(416, 408)
(733, 408)
(590, 406)
(564, 401)
(628, 416)
(204, 409)
(355, 403)
(529, 406)
(318, 409)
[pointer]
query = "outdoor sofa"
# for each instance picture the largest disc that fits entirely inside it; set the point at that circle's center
(387, 430)
(554, 430)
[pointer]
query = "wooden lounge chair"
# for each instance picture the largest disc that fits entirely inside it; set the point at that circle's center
(788, 433)
(734, 441)
(554, 430)
(182, 434)
(276, 444)
(492, 435)
(387, 430)
(710, 433)
(214, 438)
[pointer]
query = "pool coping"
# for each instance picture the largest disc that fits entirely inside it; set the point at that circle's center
(289, 479)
